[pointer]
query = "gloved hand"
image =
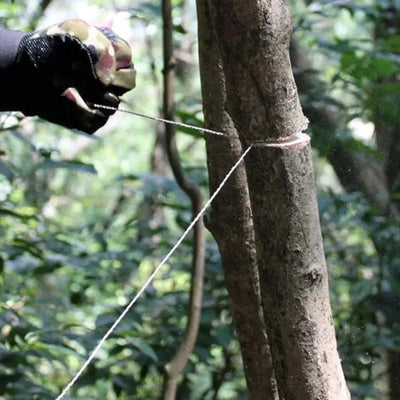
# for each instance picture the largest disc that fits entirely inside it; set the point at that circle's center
(62, 71)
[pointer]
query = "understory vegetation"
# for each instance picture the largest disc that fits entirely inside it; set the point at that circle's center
(85, 220)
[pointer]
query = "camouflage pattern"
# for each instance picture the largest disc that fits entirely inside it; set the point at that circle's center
(66, 68)
(114, 65)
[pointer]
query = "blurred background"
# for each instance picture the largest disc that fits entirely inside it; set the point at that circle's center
(85, 220)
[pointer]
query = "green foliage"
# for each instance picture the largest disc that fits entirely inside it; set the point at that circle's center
(364, 289)
(68, 268)
(355, 48)
(81, 230)
(79, 236)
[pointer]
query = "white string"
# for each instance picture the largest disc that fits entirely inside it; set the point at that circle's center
(167, 121)
(149, 280)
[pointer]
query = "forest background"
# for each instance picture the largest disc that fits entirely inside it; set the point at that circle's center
(84, 220)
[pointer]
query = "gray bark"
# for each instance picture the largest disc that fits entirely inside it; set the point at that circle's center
(262, 100)
(230, 222)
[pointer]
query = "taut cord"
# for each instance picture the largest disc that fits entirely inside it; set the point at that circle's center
(150, 278)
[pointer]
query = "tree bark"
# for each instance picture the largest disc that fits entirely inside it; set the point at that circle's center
(356, 171)
(263, 102)
(175, 367)
(230, 222)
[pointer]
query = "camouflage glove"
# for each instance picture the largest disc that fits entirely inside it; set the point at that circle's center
(64, 70)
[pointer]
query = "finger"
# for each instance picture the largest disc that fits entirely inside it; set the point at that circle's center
(85, 117)
(124, 75)
(72, 111)
(123, 81)
(110, 99)
(106, 99)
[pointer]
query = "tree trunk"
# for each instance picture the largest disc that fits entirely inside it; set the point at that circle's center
(235, 240)
(358, 171)
(262, 100)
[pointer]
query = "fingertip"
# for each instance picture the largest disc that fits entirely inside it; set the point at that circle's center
(110, 99)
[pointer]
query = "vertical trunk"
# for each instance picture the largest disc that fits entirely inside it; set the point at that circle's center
(293, 273)
(235, 240)
(356, 171)
(175, 368)
(263, 102)
(394, 365)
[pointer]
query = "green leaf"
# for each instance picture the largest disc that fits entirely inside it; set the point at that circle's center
(14, 214)
(5, 169)
(380, 68)
(392, 44)
(144, 348)
(190, 118)
(180, 29)
(224, 335)
(67, 164)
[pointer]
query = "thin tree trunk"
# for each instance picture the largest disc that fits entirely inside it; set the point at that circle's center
(263, 102)
(175, 367)
(230, 222)
(356, 171)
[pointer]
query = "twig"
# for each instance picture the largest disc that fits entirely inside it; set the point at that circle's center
(175, 367)
(219, 379)
(40, 9)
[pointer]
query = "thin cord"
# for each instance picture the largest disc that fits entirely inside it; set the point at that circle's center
(167, 121)
(149, 280)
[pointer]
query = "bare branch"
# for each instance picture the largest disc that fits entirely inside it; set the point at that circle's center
(39, 11)
(175, 367)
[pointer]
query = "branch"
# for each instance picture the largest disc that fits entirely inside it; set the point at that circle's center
(175, 367)
(219, 380)
(40, 9)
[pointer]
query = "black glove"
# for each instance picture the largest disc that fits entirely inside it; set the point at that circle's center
(64, 70)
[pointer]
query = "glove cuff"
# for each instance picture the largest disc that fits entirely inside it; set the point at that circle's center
(9, 44)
